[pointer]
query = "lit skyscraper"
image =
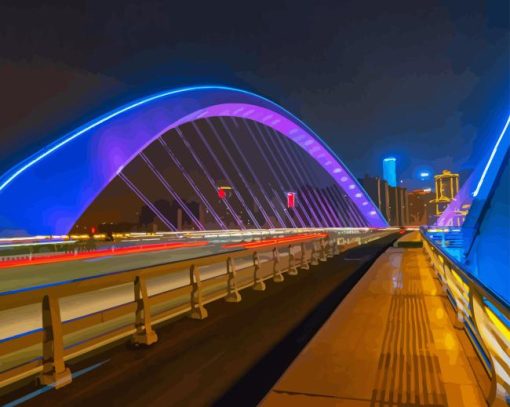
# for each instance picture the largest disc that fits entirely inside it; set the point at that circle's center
(390, 171)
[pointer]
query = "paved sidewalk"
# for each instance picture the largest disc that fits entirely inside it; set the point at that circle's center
(389, 343)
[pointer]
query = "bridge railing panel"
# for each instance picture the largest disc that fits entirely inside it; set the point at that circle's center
(484, 316)
(123, 304)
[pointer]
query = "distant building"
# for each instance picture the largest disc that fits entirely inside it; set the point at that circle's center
(378, 191)
(447, 187)
(421, 207)
(393, 202)
(399, 206)
(390, 171)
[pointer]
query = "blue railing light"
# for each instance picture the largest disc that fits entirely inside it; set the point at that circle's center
(493, 153)
(497, 312)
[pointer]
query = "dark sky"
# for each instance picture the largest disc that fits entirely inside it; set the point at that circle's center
(426, 81)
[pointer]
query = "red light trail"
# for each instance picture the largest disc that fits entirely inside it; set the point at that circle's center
(274, 241)
(58, 258)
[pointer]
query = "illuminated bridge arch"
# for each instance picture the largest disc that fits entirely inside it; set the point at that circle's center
(48, 192)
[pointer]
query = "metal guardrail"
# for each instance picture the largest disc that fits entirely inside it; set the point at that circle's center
(44, 351)
(485, 317)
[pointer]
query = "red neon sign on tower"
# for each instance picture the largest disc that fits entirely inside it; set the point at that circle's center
(222, 191)
(291, 199)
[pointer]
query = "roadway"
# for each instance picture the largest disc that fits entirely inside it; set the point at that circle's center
(21, 278)
(234, 356)
(27, 276)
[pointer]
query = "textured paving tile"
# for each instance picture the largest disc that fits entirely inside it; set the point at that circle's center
(389, 343)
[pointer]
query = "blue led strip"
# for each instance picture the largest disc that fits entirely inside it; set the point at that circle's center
(70, 176)
(493, 153)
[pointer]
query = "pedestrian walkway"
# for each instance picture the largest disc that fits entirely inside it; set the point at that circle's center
(391, 342)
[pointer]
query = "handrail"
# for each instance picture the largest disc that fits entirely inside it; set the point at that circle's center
(29, 295)
(468, 277)
(484, 316)
(62, 340)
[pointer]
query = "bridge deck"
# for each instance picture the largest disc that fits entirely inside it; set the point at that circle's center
(390, 342)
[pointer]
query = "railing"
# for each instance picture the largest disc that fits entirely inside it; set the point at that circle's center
(153, 296)
(485, 317)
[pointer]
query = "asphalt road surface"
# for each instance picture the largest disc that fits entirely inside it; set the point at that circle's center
(232, 358)
(35, 275)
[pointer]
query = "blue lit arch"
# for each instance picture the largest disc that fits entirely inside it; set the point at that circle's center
(48, 192)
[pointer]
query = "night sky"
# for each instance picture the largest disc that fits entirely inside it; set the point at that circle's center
(425, 81)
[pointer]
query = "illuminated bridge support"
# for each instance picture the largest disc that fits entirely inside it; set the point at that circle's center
(47, 193)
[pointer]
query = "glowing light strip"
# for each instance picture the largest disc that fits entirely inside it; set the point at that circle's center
(59, 258)
(278, 240)
(264, 157)
(225, 173)
(147, 202)
(37, 243)
(202, 166)
(253, 174)
(256, 245)
(239, 172)
(172, 192)
(277, 163)
(10, 175)
(292, 172)
(192, 183)
(117, 112)
(477, 190)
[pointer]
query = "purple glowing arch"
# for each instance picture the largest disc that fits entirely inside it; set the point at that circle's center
(48, 192)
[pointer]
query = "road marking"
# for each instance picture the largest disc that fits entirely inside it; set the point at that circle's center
(44, 389)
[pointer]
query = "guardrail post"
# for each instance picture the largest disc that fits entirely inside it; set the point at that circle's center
(258, 283)
(233, 293)
(459, 323)
(197, 306)
(277, 274)
(429, 255)
(314, 256)
(323, 250)
(329, 247)
(304, 260)
(336, 249)
(54, 371)
(441, 275)
(144, 334)
(292, 263)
